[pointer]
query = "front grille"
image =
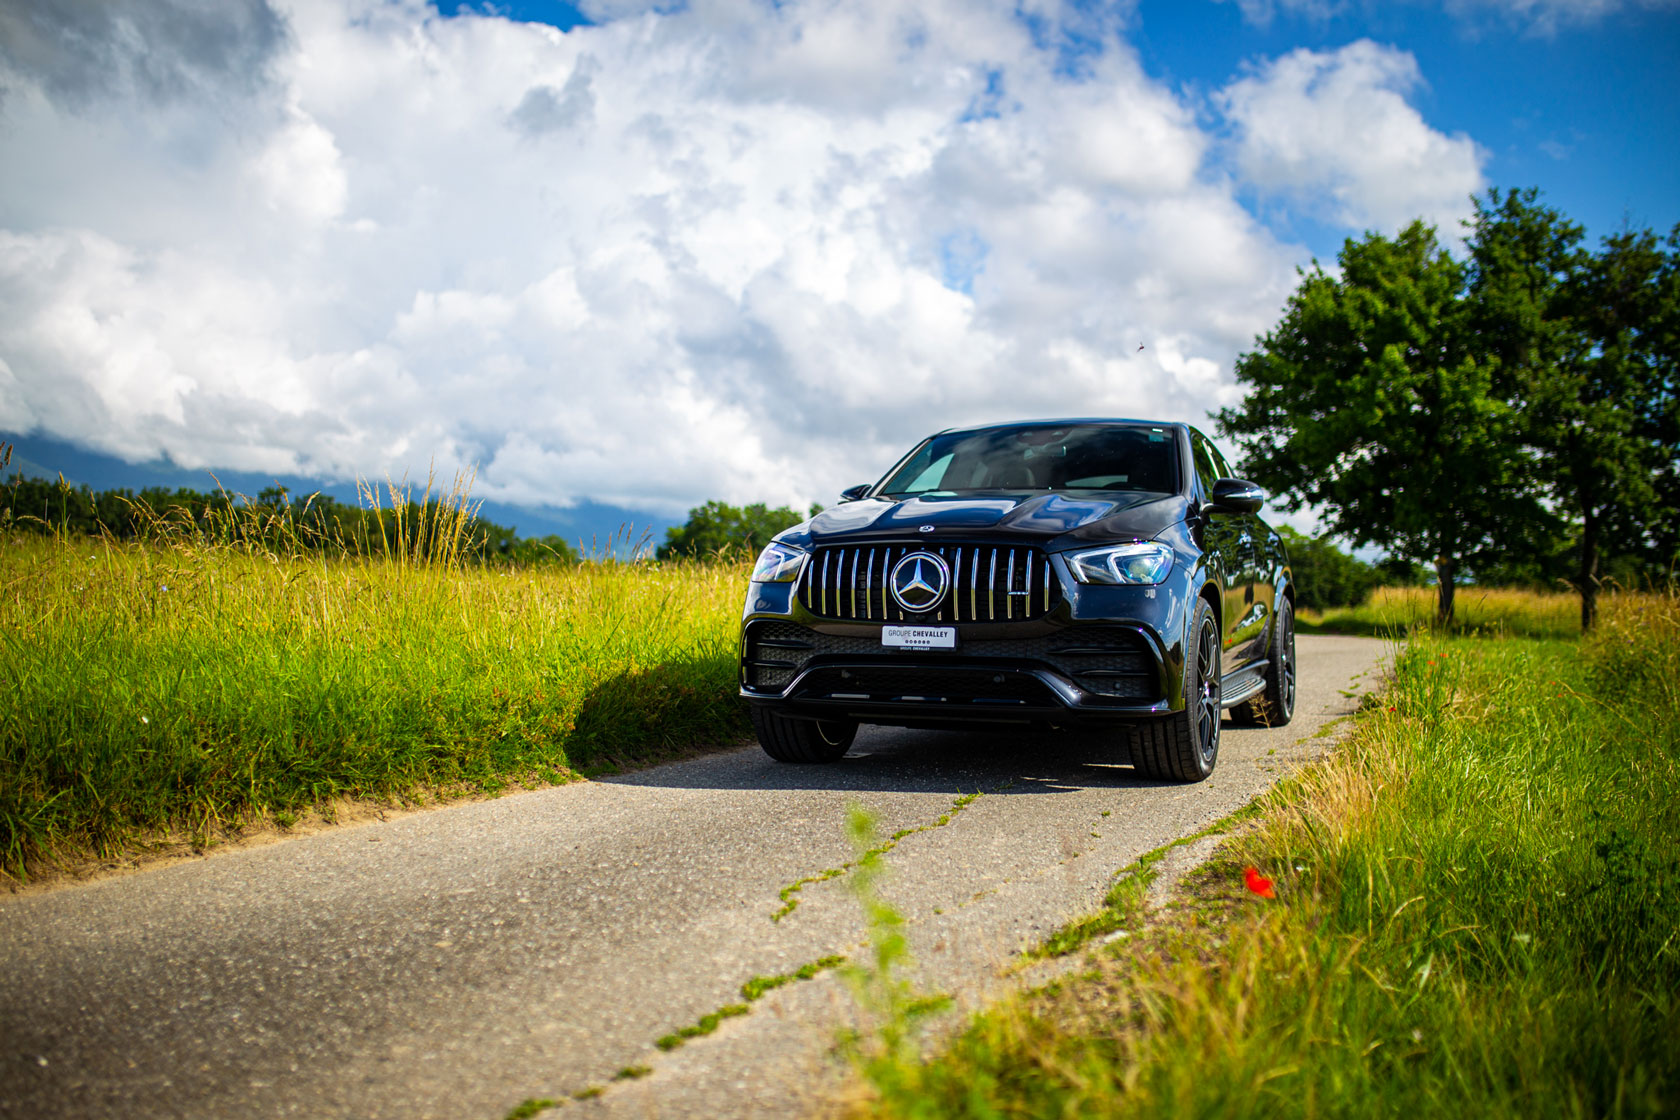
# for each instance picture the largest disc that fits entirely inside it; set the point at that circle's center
(1109, 661)
(988, 584)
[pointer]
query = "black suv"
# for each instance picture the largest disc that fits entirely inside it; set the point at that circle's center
(1058, 573)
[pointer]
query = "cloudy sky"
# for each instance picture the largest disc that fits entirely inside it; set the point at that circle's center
(637, 256)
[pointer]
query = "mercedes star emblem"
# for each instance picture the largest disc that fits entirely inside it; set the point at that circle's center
(919, 581)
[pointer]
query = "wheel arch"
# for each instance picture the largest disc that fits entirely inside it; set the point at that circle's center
(1209, 594)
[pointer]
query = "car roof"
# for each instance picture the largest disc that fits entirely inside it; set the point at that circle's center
(1063, 422)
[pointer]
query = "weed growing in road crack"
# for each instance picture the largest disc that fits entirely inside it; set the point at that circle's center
(752, 991)
(756, 988)
(789, 893)
(892, 1006)
(705, 1025)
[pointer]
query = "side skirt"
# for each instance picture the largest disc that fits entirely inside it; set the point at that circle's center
(1240, 686)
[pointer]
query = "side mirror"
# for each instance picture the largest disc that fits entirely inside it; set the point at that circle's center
(1236, 495)
(853, 493)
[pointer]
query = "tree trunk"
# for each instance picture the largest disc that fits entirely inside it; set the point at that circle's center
(1445, 570)
(1587, 581)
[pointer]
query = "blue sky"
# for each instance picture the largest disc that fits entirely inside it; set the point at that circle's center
(1586, 111)
(734, 249)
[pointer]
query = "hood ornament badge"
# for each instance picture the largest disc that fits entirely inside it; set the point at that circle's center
(925, 529)
(919, 582)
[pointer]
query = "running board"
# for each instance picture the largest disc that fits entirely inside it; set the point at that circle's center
(1231, 697)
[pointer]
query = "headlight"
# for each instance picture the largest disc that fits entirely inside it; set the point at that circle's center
(1144, 562)
(778, 563)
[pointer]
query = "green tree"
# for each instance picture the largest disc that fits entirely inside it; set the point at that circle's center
(550, 549)
(1587, 349)
(1372, 400)
(717, 528)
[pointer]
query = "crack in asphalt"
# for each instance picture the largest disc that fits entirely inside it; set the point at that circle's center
(789, 894)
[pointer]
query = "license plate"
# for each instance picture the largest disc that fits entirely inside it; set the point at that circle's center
(919, 637)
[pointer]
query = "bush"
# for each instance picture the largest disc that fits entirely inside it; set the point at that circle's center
(1325, 576)
(717, 529)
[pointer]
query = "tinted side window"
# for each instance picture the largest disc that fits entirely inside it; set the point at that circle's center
(1219, 462)
(1207, 461)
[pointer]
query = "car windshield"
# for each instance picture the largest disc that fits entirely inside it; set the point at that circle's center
(1069, 457)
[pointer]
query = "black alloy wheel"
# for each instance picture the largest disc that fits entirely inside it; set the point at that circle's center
(1185, 745)
(802, 740)
(1274, 705)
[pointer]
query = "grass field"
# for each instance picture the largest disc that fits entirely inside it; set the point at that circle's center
(1477, 914)
(1484, 611)
(189, 688)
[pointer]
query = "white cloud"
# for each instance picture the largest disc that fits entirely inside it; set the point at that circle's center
(1549, 16)
(1335, 128)
(734, 251)
(300, 172)
(1262, 12)
(1545, 17)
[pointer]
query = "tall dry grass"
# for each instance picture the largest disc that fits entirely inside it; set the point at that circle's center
(1490, 611)
(195, 681)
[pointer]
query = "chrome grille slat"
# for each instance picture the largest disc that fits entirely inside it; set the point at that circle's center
(886, 567)
(955, 598)
(991, 590)
(1009, 589)
(869, 586)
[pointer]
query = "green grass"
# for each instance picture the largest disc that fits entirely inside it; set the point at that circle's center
(1124, 903)
(1478, 914)
(185, 688)
(1484, 611)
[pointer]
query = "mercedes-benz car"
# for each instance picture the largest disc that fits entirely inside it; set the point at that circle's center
(1054, 573)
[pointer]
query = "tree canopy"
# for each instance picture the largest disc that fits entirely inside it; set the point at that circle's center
(1371, 399)
(1582, 336)
(1475, 415)
(717, 528)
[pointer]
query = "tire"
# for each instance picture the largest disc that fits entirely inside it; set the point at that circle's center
(1274, 705)
(1184, 746)
(802, 740)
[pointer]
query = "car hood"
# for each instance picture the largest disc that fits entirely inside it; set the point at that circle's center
(1032, 517)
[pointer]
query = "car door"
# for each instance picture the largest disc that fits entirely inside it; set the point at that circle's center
(1254, 612)
(1223, 540)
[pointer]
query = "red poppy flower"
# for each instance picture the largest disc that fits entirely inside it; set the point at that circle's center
(1257, 883)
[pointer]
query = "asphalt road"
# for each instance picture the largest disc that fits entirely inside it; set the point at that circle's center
(456, 962)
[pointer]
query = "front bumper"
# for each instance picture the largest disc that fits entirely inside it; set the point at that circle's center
(1103, 655)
